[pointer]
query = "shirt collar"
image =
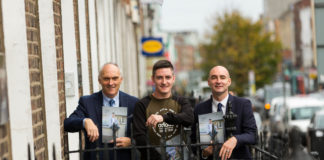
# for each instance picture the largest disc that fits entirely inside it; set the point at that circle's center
(223, 102)
(107, 99)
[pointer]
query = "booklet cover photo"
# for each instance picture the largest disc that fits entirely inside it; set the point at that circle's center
(113, 117)
(206, 123)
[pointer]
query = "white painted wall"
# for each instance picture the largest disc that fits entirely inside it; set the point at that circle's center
(126, 51)
(105, 50)
(130, 64)
(133, 54)
(128, 58)
(47, 36)
(83, 47)
(94, 45)
(101, 36)
(121, 41)
(111, 13)
(142, 73)
(106, 20)
(70, 66)
(15, 41)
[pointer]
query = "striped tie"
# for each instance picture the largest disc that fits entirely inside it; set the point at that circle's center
(219, 107)
(111, 103)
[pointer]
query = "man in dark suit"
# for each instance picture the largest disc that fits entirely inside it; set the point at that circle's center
(88, 114)
(236, 146)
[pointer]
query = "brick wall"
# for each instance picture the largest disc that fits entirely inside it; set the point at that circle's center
(5, 142)
(89, 46)
(36, 80)
(4, 129)
(60, 73)
(77, 41)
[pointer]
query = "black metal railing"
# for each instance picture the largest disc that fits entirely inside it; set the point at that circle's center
(184, 144)
(277, 149)
(29, 156)
(230, 118)
(278, 145)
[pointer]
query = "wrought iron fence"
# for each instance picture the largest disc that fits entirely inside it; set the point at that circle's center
(257, 151)
(277, 149)
(229, 117)
(278, 145)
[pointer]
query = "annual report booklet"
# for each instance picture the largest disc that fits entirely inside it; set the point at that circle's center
(113, 117)
(206, 122)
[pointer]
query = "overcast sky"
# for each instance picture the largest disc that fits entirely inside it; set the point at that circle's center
(197, 14)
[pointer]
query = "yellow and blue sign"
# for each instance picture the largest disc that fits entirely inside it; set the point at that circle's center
(152, 46)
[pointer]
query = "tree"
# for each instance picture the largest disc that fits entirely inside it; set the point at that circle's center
(241, 45)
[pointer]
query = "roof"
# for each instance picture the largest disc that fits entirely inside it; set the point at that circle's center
(299, 101)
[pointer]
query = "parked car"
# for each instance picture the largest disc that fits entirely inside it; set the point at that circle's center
(315, 134)
(295, 111)
(318, 95)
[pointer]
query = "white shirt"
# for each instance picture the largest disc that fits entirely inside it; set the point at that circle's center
(223, 102)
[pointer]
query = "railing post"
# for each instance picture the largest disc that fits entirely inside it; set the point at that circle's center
(230, 119)
(132, 143)
(213, 142)
(54, 155)
(163, 145)
(97, 148)
(147, 144)
(114, 137)
(28, 150)
(80, 145)
(181, 139)
(106, 151)
(261, 145)
(189, 145)
(198, 141)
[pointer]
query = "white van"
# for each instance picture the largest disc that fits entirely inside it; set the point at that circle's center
(297, 112)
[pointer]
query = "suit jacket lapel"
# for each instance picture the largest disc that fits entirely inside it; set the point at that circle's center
(230, 99)
(123, 102)
(122, 99)
(98, 104)
(210, 105)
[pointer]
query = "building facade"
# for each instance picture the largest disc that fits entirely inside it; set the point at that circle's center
(292, 22)
(56, 50)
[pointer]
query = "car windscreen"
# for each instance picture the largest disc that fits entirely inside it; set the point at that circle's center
(319, 122)
(304, 112)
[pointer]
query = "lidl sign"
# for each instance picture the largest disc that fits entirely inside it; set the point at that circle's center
(152, 46)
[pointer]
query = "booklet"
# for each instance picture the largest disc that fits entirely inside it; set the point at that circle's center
(113, 118)
(206, 122)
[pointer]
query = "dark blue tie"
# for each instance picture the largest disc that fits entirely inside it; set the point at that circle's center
(219, 107)
(111, 102)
